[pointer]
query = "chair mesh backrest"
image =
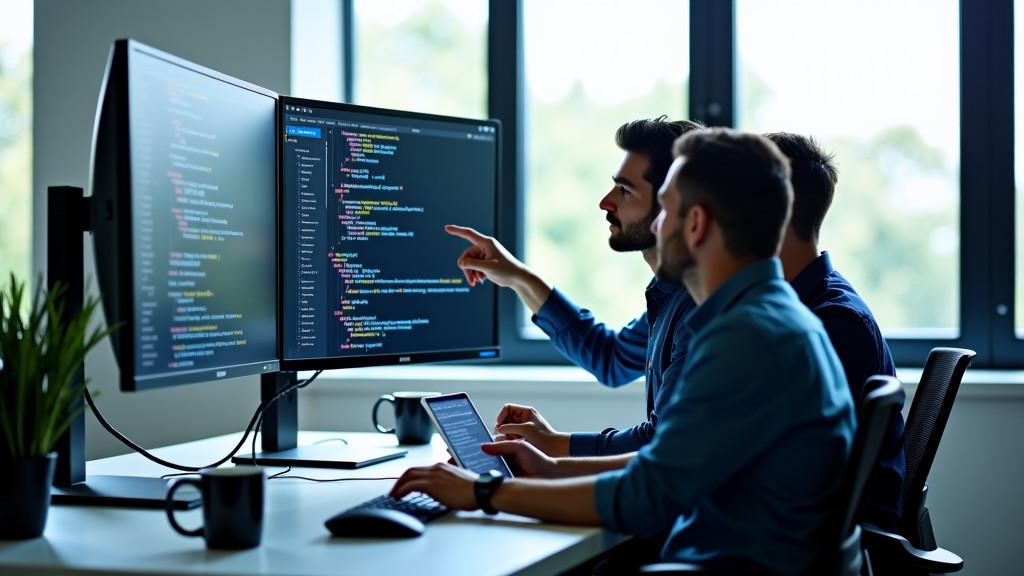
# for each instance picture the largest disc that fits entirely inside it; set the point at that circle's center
(929, 411)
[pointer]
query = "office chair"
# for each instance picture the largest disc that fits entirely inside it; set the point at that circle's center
(843, 555)
(913, 551)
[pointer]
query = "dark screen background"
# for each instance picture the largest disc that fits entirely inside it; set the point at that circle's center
(203, 220)
(368, 267)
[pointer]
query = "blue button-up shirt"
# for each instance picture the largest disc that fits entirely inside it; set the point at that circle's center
(653, 345)
(862, 350)
(747, 454)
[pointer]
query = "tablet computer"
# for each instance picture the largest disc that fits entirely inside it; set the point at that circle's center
(458, 422)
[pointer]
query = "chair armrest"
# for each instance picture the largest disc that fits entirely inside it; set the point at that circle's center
(664, 568)
(886, 545)
(682, 568)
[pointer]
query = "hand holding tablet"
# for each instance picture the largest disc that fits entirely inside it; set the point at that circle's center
(459, 423)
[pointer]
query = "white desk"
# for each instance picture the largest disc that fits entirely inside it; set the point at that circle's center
(101, 540)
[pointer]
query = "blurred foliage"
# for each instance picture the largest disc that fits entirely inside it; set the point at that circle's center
(881, 244)
(16, 165)
(570, 159)
(896, 253)
(904, 260)
(430, 62)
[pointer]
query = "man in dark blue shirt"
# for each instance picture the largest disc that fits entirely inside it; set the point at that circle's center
(850, 325)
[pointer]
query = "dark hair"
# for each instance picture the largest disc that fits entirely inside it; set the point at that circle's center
(742, 180)
(814, 179)
(653, 138)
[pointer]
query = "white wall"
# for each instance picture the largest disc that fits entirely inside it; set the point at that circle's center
(978, 474)
(248, 39)
(976, 486)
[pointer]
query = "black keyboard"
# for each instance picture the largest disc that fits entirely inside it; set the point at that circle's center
(421, 506)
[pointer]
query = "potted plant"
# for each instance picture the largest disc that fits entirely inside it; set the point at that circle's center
(42, 355)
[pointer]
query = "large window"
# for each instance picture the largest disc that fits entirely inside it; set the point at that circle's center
(620, 65)
(914, 97)
(422, 55)
(888, 106)
(15, 139)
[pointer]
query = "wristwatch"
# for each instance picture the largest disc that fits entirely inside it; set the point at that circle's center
(484, 488)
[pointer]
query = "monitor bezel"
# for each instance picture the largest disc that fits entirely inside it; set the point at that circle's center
(484, 353)
(110, 207)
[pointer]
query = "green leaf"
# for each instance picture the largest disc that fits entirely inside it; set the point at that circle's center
(42, 359)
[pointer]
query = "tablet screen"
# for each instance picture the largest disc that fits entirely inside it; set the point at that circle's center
(460, 425)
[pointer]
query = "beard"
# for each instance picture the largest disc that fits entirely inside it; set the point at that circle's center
(634, 236)
(675, 268)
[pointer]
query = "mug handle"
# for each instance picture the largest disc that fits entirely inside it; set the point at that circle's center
(169, 506)
(384, 398)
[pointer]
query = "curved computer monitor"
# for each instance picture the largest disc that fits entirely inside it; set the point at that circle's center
(184, 214)
(369, 276)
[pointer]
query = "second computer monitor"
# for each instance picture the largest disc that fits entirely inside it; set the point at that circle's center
(184, 214)
(369, 276)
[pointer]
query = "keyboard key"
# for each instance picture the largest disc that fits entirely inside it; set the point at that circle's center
(419, 505)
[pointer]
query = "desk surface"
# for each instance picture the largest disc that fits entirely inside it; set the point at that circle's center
(102, 540)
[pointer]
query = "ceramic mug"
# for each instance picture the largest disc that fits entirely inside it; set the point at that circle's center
(412, 424)
(232, 501)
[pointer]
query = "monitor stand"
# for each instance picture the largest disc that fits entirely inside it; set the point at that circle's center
(123, 491)
(280, 434)
(67, 220)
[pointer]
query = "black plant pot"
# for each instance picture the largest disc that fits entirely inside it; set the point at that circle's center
(25, 496)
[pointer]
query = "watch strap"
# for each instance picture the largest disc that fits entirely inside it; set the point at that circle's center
(484, 487)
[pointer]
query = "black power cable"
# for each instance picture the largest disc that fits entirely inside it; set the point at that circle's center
(256, 420)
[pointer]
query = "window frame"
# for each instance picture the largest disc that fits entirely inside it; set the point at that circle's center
(987, 240)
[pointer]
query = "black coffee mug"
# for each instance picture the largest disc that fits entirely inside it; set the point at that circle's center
(412, 425)
(232, 506)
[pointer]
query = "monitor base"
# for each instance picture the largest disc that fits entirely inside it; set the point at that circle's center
(322, 456)
(123, 491)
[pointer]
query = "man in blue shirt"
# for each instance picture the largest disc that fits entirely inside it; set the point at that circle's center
(653, 345)
(744, 462)
(848, 321)
(851, 327)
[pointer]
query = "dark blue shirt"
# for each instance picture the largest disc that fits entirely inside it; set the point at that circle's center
(653, 345)
(859, 344)
(743, 465)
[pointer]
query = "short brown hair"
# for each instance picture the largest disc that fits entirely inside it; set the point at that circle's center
(742, 180)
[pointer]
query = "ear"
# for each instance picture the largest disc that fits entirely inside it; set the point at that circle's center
(698, 227)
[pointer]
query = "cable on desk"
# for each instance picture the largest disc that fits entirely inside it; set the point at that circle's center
(326, 440)
(256, 420)
(281, 474)
(177, 475)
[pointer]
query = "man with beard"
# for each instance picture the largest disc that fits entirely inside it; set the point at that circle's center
(653, 345)
(742, 466)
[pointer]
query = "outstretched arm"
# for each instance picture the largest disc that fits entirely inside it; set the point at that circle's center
(487, 259)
